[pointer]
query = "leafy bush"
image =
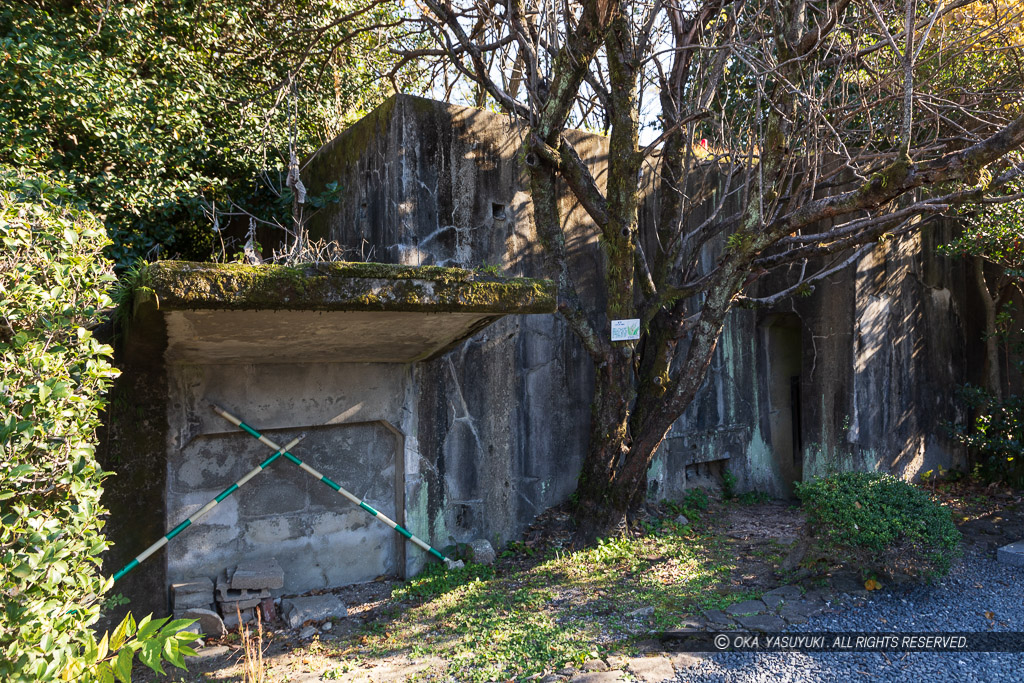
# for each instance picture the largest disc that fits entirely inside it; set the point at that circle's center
(728, 484)
(157, 111)
(880, 523)
(996, 437)
(53, 374)
(695, 500)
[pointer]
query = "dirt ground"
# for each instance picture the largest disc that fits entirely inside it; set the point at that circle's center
(766, 539)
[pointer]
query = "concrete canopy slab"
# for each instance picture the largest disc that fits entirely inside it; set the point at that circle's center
(327, 312)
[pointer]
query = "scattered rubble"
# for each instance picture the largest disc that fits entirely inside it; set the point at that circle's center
(197, 592)
(297, 611)
(482, 552)
(209, 621)
(246, 587)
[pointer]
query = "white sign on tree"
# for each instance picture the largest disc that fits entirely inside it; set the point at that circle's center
(625, 330)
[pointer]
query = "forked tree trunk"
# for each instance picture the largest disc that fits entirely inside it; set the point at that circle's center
(614, 477)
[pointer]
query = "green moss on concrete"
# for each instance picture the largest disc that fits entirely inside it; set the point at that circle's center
(341, 286)
(346, 149)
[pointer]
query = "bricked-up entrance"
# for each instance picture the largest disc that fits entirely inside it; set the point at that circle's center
(331, 351)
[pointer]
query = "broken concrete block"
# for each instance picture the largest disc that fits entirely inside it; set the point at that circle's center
(231, 622)
(1012, 554)
(231, 606)
(297, 611)
(269, 610)
(209, 621)
(209, 652)
(652, 669)
(482, 552)
(225, 593)
(196, 592)
(258, 575)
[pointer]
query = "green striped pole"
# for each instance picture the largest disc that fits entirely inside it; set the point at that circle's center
(451, 564)
(209, 506)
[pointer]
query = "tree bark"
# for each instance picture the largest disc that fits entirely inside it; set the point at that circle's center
(991, 379)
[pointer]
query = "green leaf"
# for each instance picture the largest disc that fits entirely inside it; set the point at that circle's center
(102, 647)
(104, 673)
(123, 666)
(147, 627)
(172, 653)
(149, 655)
(177, 625)
(19, 470)
(22, 571)
(117, 640)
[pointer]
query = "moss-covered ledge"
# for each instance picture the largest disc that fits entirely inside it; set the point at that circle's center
(338, 286)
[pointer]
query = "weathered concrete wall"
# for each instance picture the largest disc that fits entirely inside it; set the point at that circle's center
(883, 347)
(501, 420)
(132, 446)
(866, 366)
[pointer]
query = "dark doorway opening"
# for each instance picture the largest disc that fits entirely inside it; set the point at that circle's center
(783, 345)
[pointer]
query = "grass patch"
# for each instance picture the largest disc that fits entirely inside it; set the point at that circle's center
(537, 614)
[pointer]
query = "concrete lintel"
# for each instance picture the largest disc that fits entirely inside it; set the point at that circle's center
(329, 312)
(339, 286)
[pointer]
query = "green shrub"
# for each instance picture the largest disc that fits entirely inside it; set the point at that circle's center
(996, 435)
(695, 500)
(728, 484)
(879, 523)
(53, 374)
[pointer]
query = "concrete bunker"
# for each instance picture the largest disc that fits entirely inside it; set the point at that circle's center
(879, 348)
(495, 424)
(329, 350)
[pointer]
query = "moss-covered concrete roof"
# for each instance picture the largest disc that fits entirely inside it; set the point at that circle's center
(329, 312)
(340, 286)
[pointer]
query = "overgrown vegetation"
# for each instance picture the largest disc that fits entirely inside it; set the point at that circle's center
(172, 118)
(879, 524)
(788, 140)
(996, 435)
(543, 613)
(993, 241)
(53, 375)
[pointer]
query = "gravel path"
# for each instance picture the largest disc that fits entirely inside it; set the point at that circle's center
(959, 602)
